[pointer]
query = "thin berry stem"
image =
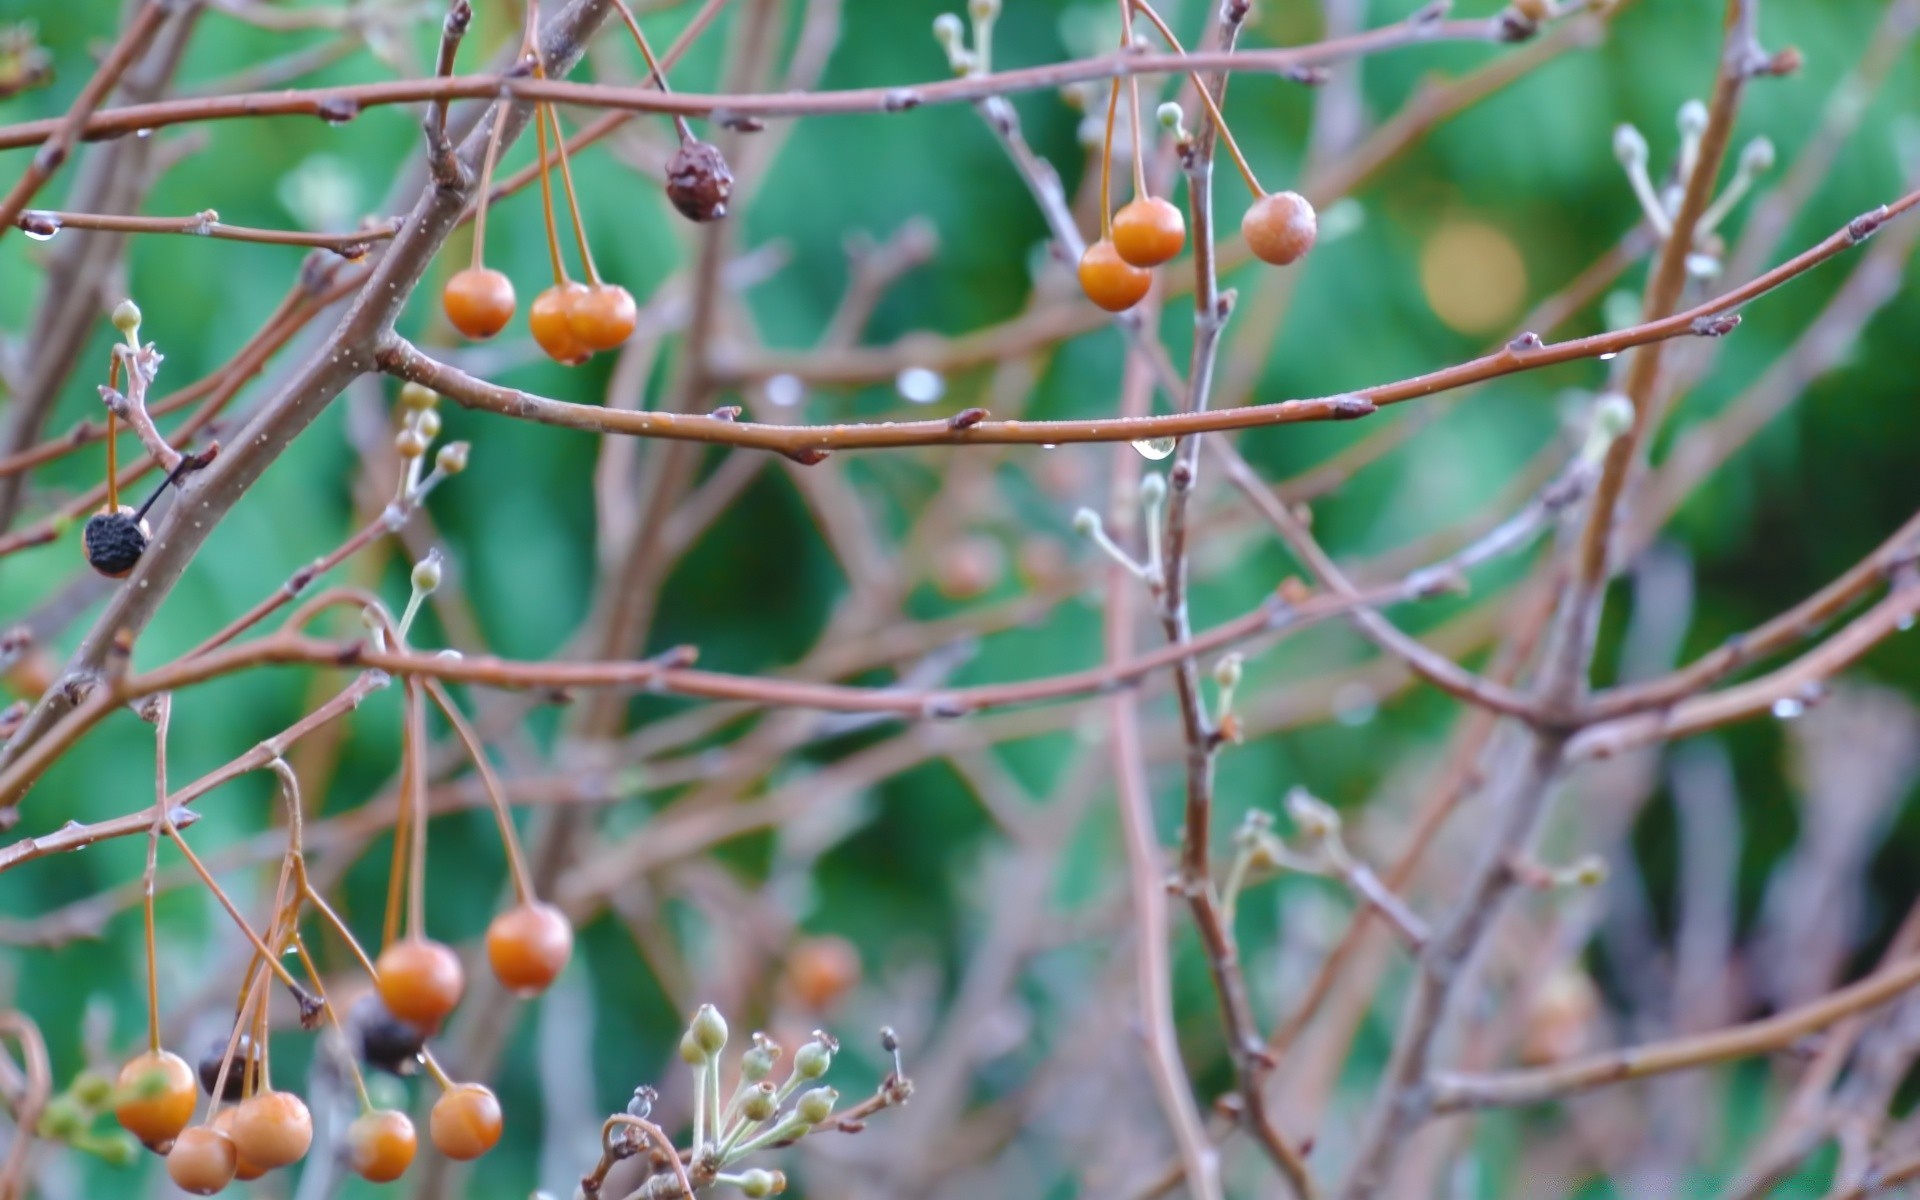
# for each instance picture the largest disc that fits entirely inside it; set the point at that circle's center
(434, 1070)
(332, 918)
(1213, 110)
(486, 188)
(1133, 105)
(658, 73)
(326, 1006)
(546, 200)
(162, 720)
(573, 199)
(496, 795)
(226, 902)
(414, 764)
(1106, 165)
(249, 996)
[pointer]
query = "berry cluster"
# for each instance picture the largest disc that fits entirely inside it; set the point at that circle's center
(250, 1127)
(573, 321)
(1116, 271)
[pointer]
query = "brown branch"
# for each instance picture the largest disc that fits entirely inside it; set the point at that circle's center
(63, 132)
(47, 222)
(345, 103)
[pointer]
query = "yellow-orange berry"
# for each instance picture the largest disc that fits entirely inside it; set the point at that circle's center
(1111, 281)
(1149, 231)
(419, 980)
(479, 301)
(203, 1160)
(1280, 228)
(821, 970)
(272, 1129)
(528, 946)
(552, 328)
(245, 1170)
(157, 1097)
(380, 1145)
(602, 316)
(465, 1121)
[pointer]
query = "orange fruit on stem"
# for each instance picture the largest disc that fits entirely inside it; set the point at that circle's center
(246, 1171)
(203, 1160)
(529, 945)
(157, 1097)
(272, 1129)
(1111, 281)
(821, 970)
(380, 1145)
(1149, 231)
(552, 326)
(603, 316)
(1280, 228)
(479, 301)
(465, 1121)
(419, 980)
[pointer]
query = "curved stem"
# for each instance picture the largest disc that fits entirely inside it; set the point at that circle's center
(496, 795)
(1206, 98)
(1106, 165)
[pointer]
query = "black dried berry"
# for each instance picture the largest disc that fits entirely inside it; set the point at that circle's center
(385, 1041)
(209, 1068)
(699, 182)
(114, 542)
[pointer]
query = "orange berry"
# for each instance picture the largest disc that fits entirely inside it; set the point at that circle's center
(246, 1170)
(1149, 231)
(380, 1145)
(465, 1121)
(548, 319)
(1111, 281)
(272, 1129)
(419, 980)
(158, 1097)
(603, 316)
(478, 301)
(821, 970)
(1280, 228)
(202, 1161)
(529, 946)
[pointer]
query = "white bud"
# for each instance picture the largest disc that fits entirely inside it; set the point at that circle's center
(426, 573)
(1612, 416)
(1086, 522)
(1629, 146)
(126, 317)
(983, 10)
(1153, 489)
(1693, 119)
(948, 30)
(1757, 158)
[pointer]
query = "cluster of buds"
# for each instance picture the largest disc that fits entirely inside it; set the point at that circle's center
(1662, 205)
(951, 33)
(760, 1113)
(419, 425)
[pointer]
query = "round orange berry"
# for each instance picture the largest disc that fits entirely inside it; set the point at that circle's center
(1280, 228)
(552, 328)
(203, 1160)
(479, 301)
(380, 1145)
(272, 1129)
(1149, 231)
(1111, 281)
(465, 1121)
(157, 1097)
(419, 980)
(528, 946)
(602, 316)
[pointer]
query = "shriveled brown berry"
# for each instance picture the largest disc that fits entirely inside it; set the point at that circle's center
(380, 1145)
(1111, 281)
(156, 1097)
(528, 946)
(1149, 231)
(1280, 228)
(699, 182)
(465, 1121)
(203, 1160)
(479, 301)
(244, 1170)
(821, 970)
(551, 326)
(419, 980)
(602, 316)
(272, 1129)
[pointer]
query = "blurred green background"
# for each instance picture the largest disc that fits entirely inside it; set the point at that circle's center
(902, 877)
